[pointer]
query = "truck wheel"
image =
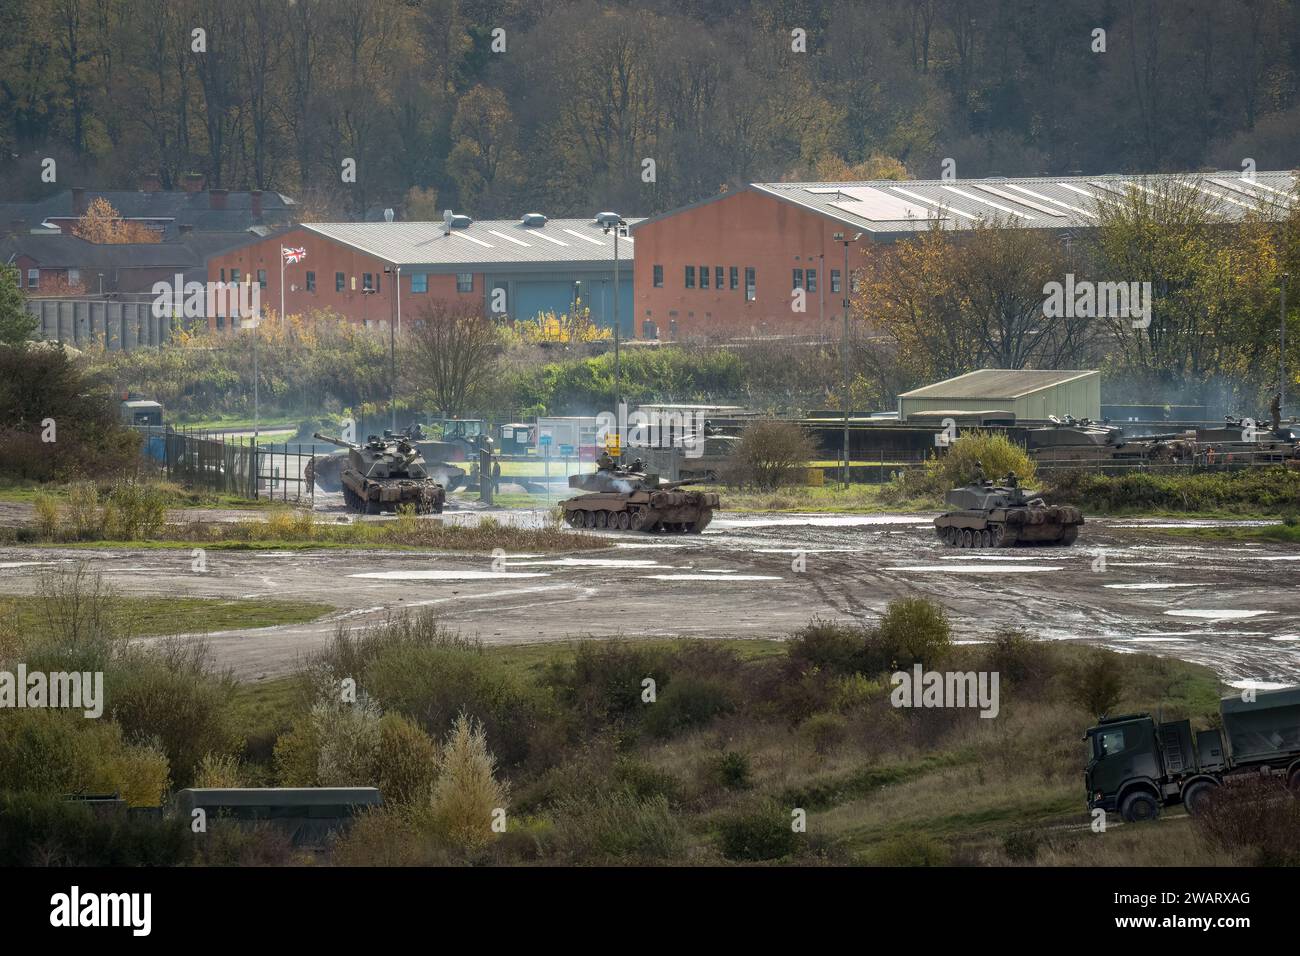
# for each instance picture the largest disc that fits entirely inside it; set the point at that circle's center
(1196, 798)
(1294, 781)
(1139, 807)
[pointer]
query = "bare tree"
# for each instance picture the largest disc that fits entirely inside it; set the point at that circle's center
(453, 352)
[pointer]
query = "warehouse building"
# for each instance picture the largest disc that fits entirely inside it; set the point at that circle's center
(1000, 393)
(510, 268)
(742, 262)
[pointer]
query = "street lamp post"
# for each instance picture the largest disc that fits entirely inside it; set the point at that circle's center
(612, 222)
(844, 343)
(1282, 364)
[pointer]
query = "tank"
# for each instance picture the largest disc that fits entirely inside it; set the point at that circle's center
(988, 515)
(627, 498)
(383, 474)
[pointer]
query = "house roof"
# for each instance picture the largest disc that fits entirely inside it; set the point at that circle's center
(493, 242)
(60, 251)
(998, 383)
(172, 208)
(893, 207)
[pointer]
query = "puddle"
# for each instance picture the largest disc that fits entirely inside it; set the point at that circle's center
(589, 563)
(712, 577)
(1159, 640)
(1217, 614)
(807, 551)
(980, 568)
(1152, 586)
(1257, 685)
(1280, 557)
(1141, 564)
(986, 557)
(440, 574)
(648, 544)
(22, 564)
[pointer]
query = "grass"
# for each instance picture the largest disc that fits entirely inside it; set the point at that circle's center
(859, 499)
(177, 496)
(1277, 533)
(154, 617)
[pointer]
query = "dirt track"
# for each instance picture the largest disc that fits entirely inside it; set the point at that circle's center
(1227, 605)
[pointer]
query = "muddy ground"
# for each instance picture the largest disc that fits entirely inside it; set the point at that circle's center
(1122, 585)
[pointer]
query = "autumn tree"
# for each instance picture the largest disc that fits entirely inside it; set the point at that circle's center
(484, 161)
(16, 323)
(103, 224)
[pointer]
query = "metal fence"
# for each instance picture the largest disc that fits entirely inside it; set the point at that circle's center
(113, 324)
(231, 465)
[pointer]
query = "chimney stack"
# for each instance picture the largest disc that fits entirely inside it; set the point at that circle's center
(217, 198)
(256, 197)
(194, 183)
(78, 200)
(150, 183)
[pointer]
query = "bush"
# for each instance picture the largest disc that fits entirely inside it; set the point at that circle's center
(406, 761)
(991, 452)
(757, 831)
(1097, 684)
(45, 830)
(912, 630)
(138, 511)
(826, 645)
(1022, 846)
(1259, 818)
(688, 701)
(618, 827)
(467, 793)
(1250, 491)
(222, 771)
(912, 849)
(348, 736)
(770, 454)
(825, 731)
(46, 508)
(732, 770)
(603, 683)
(1019, 659)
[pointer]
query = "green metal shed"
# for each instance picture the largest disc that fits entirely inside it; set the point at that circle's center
(1031, 394)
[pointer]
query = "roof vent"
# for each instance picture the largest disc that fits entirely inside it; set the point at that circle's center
(532, 220)
(460, 222)
(388, 215)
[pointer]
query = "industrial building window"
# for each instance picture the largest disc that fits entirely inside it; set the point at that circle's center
(367, 281)
(223, 275)
(340, 282)
(854, 283)
(690, 277)
(234, 276)
(798, 279)
(751, 284)
(735, 277)
(717, 278)
(464, 282)
(835, 280)
(419, 282)
(659, 277)
(261, 278)
(33, 278)
(311, 282)
(704, 277)
(74, 277)
(812, 280)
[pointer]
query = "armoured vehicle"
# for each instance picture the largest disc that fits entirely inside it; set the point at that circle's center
(986, 515)
(327, 470)
(1082, 439)
(385, 473)
(628, 498)
(1137, 765)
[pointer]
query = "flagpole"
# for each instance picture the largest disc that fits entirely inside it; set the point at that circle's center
(282, 285)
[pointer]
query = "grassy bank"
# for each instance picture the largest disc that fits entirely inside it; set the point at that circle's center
(152, 617)
(1258, 492)
(855, 499)
(173, 496)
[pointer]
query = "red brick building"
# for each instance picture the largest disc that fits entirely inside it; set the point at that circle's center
(728, 265)
(507, 267)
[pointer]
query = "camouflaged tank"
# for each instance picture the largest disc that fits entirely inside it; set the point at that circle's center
(628, 499)
(385, 473)
(987, 515)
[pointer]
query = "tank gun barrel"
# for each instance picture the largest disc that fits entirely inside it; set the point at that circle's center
(334, 441)
(682, 482)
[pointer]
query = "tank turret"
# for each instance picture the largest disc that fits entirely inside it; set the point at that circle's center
(384, 474)
(629, 498)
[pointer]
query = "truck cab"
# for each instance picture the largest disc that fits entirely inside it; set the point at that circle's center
(1122, 752)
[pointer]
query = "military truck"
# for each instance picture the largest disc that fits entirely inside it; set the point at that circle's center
(1137, 765)
(986, 515)
(384, 474)
(629, 498)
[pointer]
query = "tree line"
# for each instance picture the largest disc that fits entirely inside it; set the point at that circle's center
(564, 106)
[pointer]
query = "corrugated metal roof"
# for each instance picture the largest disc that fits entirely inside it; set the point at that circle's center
(1064, 202)
(998, 383)
(491, 242)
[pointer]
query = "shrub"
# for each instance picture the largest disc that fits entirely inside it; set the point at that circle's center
(1097, 684)
(770, 454)
(733, 770)
(994, 453)
(83, 517)
(297, 755)
(1019, 659)
(47, 515)
(406, 761)
(688, 701)
(825, 731)
(139, 511)
(757, 831)
(912, 849)
(912, 630)
(467, 793)
(826, 645)
(45, 830)
(1022, 846)
(603, 683)
(1259, 818)
(618, 826)
(348, 736)
(643, 780)
(219, 770)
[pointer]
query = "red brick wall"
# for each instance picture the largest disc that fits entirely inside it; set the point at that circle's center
(747, 228)
(326, 257)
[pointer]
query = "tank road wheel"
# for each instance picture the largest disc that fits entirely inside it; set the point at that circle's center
(636, 521)
(589, 519)
(1196, 798)
(602, 519)
(997, 535)
(949, 536)
(1139, 807)
(986, 539)
(1070, 534)
(967, 538)
(624, 520)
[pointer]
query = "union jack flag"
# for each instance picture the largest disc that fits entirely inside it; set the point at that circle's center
(293, 255)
